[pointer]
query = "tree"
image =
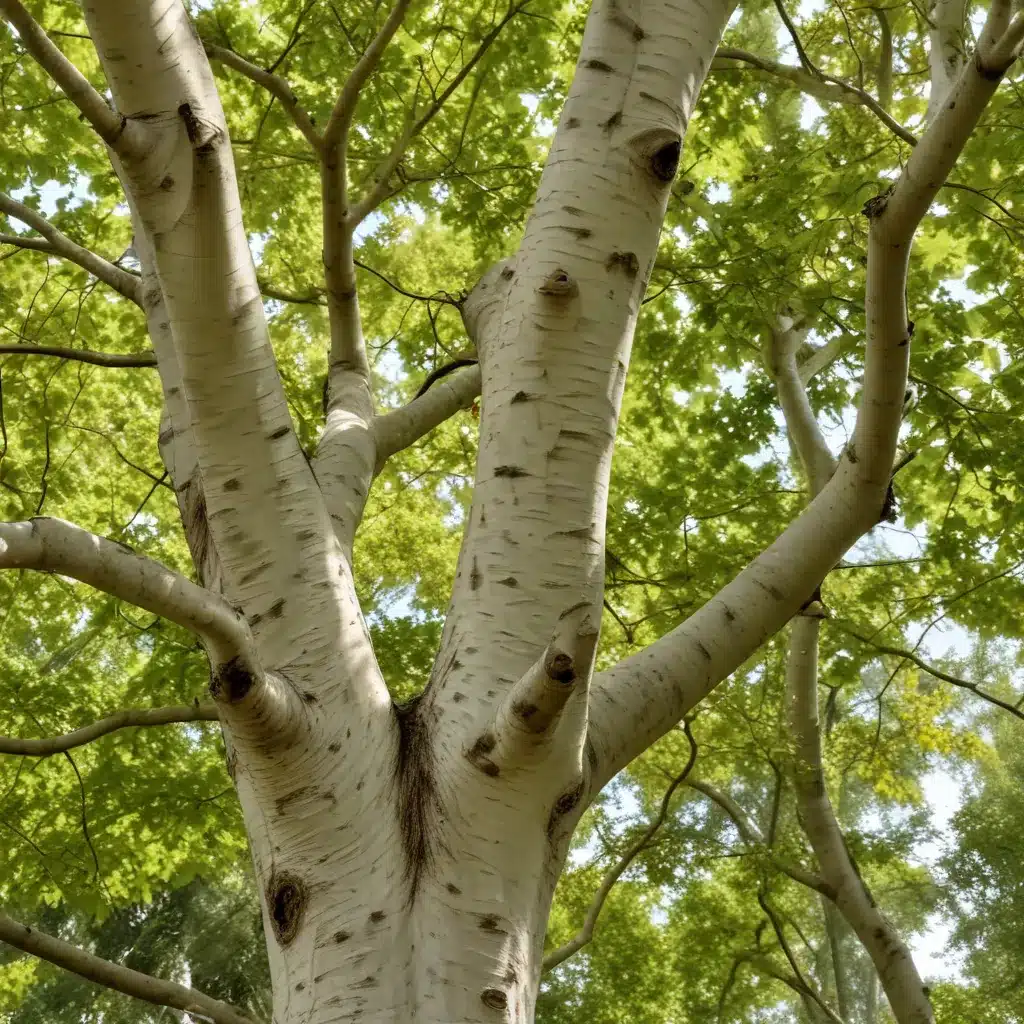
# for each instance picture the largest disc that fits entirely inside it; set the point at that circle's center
(406, 851)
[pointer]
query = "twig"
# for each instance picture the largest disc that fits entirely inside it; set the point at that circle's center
(586, 933)
(938, 673)
(129, 718)
(82, 355)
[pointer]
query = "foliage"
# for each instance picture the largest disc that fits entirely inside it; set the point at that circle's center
(134, 845)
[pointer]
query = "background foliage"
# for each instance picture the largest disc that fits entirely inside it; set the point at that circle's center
(134, 846)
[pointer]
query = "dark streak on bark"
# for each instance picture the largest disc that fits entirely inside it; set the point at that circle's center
(418, 800)
(563, 805)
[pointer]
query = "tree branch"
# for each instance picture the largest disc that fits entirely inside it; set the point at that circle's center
(399, 429)
(903, 986)
(380, 190)
(643, 696)
(614, 873)
(801, 423)
(259, 704)
(130, 718)
(115, 130)
(52, 545)
(275, 85)
(751, 835)
(820, 85)
(115, 976)
(528, 717)
(60, 245)
(348, 348)
(938, 673)
(81, 355)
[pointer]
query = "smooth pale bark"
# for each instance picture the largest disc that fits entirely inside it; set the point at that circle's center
(946, 50)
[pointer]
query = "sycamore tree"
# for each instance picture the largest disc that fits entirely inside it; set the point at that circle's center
(390, 262)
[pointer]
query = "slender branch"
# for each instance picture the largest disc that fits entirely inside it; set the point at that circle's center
(401, 428)
(380, 191)
(115, 130)
(129, 718)
(884, 59)
(903, 986)
(274, 84)
(115, 976)
(797, 983)
(801, 423)
(750, 834)
(52, 545)
(817, 83)
(82, 355)
(60, 245)
(336, 133)
(938, 673)
(614, 873)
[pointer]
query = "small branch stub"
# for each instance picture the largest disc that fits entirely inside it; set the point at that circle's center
(658, 151)
(532, 709)
(559, 284)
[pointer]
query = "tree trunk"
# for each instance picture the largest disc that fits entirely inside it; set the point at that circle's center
(407, 857)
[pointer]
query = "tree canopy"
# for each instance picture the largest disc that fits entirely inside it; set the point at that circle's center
(132, 844)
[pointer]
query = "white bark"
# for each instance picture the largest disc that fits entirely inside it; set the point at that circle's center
(946, 50)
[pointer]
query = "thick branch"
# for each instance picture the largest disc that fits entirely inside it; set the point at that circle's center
(115, 976)
(274, 84)
(751, 835)
(614, 873)
(121, 720)
(115, 130)
(81, 355)
(938, 673)
(52, 545)
(902, 983)
(645, 695)
(403, 427)
(60, 245)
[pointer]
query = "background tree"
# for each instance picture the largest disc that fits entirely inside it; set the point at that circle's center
(409, 817)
